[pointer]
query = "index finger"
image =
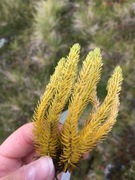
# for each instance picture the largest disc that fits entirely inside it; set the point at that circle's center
(18, 144)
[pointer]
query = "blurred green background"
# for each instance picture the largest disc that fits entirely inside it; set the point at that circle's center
(35, 34)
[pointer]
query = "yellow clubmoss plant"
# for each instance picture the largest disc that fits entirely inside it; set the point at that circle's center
(79, 88)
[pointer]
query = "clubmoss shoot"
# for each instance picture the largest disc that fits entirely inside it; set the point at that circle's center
(79, 89)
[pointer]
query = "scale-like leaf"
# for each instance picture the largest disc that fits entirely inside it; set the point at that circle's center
(53, 101)
(83, 88)
(99, 117)
(68, 146)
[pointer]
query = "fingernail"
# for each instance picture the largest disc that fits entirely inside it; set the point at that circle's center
(43, 168)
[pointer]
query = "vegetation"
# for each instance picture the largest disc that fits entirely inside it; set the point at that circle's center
(34, 35)
(68, 146)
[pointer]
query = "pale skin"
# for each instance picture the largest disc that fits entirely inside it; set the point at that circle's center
(17, 157)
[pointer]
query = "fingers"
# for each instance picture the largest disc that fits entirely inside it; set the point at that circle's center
(60, 127)
(41, 169)
(18, 144)
(18, 149)
(85, 156)
(32, 156)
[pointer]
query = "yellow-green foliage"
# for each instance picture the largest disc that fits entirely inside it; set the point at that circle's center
(68, 146)
(46, 20)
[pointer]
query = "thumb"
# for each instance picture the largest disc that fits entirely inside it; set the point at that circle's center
(41, 169)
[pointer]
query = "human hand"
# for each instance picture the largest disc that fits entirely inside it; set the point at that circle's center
(16, 158)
